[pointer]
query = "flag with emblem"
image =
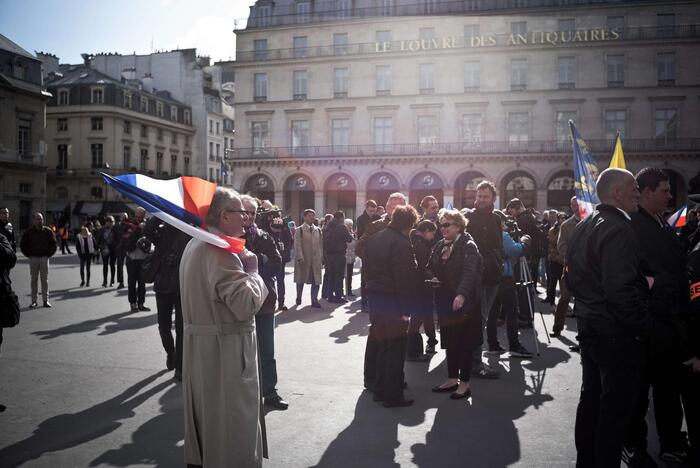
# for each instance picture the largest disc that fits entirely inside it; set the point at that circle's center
(585, 174)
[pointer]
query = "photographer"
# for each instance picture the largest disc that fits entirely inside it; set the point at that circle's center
(270, 220)
(528, 223)
(515, 245)
(136, 252)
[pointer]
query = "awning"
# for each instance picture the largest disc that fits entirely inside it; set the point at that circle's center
(57, 206)
(87, 208)
(116, 207)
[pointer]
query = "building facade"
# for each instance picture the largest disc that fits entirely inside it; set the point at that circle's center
(99, 124)
(22, 122)
(342, 101)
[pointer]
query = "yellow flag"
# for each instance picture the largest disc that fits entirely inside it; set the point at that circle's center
(618, 159)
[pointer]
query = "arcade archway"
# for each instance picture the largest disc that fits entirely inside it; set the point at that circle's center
(260, 186)
(341, 194)
(423, 184)
(519, 184)
(299, 196)
(465, 189)
(380, 186)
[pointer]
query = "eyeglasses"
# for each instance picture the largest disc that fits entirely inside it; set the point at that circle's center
(239, 211)
(446, 225)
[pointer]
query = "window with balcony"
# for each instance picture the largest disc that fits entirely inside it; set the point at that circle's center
(218, 152)
(24, 187)
(97, 95)
(127, 127)
(96, 123)
(303, 11)
(211, 151)
(665, 124)
(260, 87)
(428, 6)
(173, 113)
(615, 121)
(159, 163)
(383, 80)
(385, 7)
(427, 130)
(616, 71)
(126, 155)
(300, 46)
(159, 134)
(299, 85)
(188, 117)
(343, 8)
(24, 138)
(127, 100)
(144, 105)
(173, 164)
(218, 128)
(187, 141)
(518, 128)
(144, 160)
(563, 132)
(159, 109)
(472, 77)
(666, 68)
(264, 15)
(97, 155)
(261, 136)
(300, 136)
(518, 74)
(340, 134)
(665, 24)
(383, 133)
(144, 131)
(567, 72)
(340, 44)
(260, 49)
(426, 78)
(62, 152)
(472, 129)
(63, 97)
(62, 125)
(341, 82)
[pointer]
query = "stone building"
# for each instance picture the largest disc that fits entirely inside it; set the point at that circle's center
(22, 122)
(341, 101)
(95, 124)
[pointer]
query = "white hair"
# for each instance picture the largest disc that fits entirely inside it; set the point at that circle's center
(348, 222)
(222, 197)
(397, 195)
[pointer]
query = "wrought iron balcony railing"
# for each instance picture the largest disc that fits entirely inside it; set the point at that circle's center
(537, 147)
(690, 31)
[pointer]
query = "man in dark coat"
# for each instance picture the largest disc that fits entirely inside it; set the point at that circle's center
(170, 243)
(606, 279)
(38, 244)
(6, 228)
(8, 258)
(422, 239)
(392, 276)
(664, 259)
(692, 412)
(264, 247)
(335, 244)
(370, 215)
(120, 234)
(282, 236)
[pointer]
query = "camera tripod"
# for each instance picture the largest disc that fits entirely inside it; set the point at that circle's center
(526, 284)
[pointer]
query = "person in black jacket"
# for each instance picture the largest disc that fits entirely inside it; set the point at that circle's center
(605, 277)
(369, 216)
(108, 251)
(663, 258)
(264, 247)
(392, 276)
(120, 234)
(692, 411)
(170, 244)
(335, 244)
(8, 258)
(6, 228)
(38, 244)
(457, 264)
(422, 238)
(282, 236)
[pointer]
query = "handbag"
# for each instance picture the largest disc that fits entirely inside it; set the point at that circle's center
(9, 307)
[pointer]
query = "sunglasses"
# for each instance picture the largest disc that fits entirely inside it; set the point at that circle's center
(446, 225)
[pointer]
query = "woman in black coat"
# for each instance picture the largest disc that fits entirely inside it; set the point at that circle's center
(456, 263)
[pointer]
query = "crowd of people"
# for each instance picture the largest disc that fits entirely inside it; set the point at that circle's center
(453, 275)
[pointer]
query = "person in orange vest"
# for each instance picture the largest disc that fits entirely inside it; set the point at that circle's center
(64, 233)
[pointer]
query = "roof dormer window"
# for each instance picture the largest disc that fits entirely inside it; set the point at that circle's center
(97, 95)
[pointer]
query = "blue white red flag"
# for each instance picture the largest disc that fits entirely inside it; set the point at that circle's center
(585, 174)
(678, 219)
(182, 203)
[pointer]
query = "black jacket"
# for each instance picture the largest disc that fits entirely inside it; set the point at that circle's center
(7, 230)
(336, 238)
(362, 221)
(38, 242)
(284, 242)
(694, 308)
(269, 259)
(391, 270)
(605, 276)
(461, 273)
(485, 230)
(170, 244)
(8, 258)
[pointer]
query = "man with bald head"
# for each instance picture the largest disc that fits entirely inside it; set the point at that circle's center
(605, 278)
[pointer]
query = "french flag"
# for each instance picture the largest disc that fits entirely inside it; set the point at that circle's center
(182, 203)
(677, 219)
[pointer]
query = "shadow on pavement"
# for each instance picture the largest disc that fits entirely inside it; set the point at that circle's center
(114, 323)
(158, 442)
(306, 314)
(73, 429)
(357, 325)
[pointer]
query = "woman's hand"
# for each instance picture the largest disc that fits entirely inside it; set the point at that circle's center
(458, 302)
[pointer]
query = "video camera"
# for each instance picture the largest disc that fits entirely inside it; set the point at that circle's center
(513, 229)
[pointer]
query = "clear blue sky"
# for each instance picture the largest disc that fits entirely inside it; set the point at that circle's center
(67, 28)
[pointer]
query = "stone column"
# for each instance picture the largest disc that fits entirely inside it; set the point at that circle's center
(319, 199)
(541, 199)
(448, 197)
(360, 199)
(279, 198)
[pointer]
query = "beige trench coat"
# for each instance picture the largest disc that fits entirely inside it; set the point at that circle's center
(309, 254)
(220, 371)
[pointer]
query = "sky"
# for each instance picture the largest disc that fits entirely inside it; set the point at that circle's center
(67, 28)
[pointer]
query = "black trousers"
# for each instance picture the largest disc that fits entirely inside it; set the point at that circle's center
(348, 278)
(137, 287)
(120, 267)
(335, 272)
(612, 367)
(554, 272)
(422, 315)
(280, 286)
(85, 261)
(370, 365)
(108, 264)
(165, 304)
(363, 287)
(504, 305)
(675, 391)
(64, 246)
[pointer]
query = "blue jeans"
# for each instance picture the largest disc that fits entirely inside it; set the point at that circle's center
(265, 331)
